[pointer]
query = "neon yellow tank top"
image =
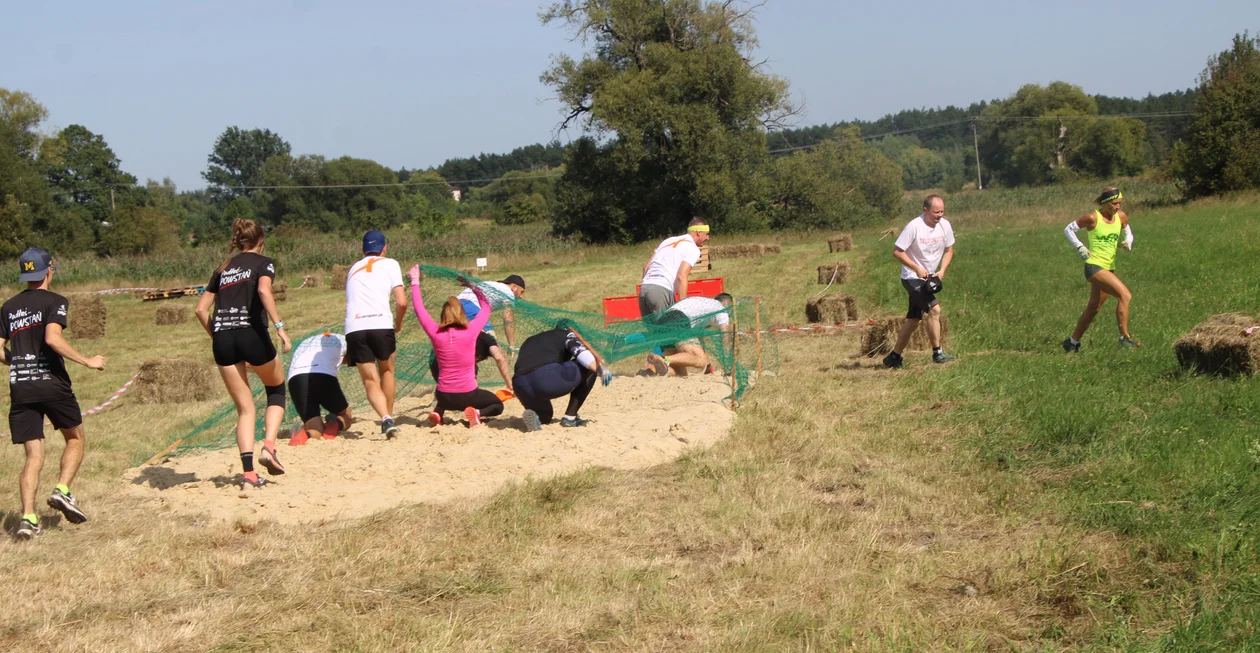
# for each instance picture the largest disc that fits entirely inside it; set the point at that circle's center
(1103, 240)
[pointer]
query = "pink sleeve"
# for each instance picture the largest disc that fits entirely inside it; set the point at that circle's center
(483, 316)
(426, 322)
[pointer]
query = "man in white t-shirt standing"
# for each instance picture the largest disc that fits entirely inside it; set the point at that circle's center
(502, 294)
(667, 271)
(690, 313)
(925, 249)
(371, 326)
(313, 386)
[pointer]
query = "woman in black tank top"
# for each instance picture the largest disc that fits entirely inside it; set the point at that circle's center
(240, 292)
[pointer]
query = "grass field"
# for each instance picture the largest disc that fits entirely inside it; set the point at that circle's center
(1018, 499)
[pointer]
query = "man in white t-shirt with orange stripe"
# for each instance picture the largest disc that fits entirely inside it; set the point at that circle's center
(371, 326)
(667, 271)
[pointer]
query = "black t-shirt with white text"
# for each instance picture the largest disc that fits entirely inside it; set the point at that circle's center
(36, 372)
(236, 303)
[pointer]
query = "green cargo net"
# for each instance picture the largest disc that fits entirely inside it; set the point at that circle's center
(740, 353)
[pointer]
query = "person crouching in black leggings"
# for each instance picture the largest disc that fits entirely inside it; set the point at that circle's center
(550, 365)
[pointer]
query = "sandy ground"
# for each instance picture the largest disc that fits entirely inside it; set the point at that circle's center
(636, 422)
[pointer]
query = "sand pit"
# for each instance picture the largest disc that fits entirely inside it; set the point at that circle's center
(637, 422)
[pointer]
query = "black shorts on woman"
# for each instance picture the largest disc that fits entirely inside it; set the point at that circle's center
(1091, 270)
(252, 346)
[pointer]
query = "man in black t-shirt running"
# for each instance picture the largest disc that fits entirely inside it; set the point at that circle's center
(39, 386)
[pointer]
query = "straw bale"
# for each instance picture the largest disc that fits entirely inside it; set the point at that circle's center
(879, 338)
(1219, 346)
(836, 308)
(840, 243)
(309, 281)
(748, 250)
(840, 272)
(86, 320)
(339, 274)
(172, 314)
(279, 290)
(174, 380)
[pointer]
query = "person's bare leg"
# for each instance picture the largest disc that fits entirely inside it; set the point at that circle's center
(72, 457)
(903, 336)
(1112, 285)
(688, 356)
(372, 386)
(1096, 299)
(388, 387)
(238, 388)
(314, 424)
(28, 482)
(272, 374)
(933, 327)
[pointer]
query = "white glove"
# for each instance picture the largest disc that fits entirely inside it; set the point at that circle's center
(1084, 252)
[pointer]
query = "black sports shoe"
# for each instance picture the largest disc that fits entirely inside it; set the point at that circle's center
(68, 507)
(941, 357)
(388, 428)
(893, 361)
(532, 422)
(1069, 347)
(1129, 343)
(26, 530)
(576, 421)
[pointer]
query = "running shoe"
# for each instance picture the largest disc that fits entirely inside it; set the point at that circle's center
(298, 435)
(270, 460)
(1069, 347)
(473, 416)
(532, 422)
(332, 426)
(893, 361)
(576, 421)
(388, 428)
(658, 364)
(435, 418)
(1129, 343)
(65, 503)
(252, 479)
(941, 357)
(26, 530)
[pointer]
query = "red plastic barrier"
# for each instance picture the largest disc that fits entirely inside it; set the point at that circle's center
(710, 287)
(619, 309)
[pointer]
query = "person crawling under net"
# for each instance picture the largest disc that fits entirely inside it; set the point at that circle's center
(688, 314)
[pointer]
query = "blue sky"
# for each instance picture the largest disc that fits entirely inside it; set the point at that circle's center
(414, 83)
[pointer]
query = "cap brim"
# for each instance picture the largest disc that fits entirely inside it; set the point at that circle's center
(33, 276)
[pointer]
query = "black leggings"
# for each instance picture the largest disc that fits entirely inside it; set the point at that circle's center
(536, 389)
(483, 400)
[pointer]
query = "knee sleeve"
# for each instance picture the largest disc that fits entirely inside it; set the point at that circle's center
(275, 395)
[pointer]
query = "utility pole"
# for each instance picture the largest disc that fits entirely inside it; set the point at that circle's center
(111, 199)
(976, 140)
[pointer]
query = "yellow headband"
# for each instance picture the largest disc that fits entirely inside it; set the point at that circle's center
(703, 228)
(1110, 197)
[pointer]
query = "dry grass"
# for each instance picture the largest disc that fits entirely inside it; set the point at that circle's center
(339, 274)
(172, 314)
(878, 339)
(747, 250)
(817, 525)
(832, 273)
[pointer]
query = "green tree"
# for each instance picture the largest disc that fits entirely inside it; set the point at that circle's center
(377, 201)
(237, 160)
(15, 225)
(674, 111)
(83, 172)
(24, 195)
(523, 209)
(1221, 149)
(138, 230)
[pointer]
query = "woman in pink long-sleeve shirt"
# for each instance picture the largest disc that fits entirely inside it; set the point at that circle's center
(454, 343)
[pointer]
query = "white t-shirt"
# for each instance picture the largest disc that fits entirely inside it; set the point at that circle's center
(924, 244)
(499, 294)
(669, 256)
(701, 310)
(319, 354)
(370, 294)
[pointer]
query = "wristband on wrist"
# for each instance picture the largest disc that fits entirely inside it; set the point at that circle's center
(279, 325)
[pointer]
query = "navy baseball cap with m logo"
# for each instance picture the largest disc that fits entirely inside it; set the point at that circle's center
(33, 264)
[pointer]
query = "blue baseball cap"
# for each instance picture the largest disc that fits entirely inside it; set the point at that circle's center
(34, 264)
(373, 242)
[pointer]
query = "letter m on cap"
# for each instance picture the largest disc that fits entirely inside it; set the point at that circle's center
(28, 266)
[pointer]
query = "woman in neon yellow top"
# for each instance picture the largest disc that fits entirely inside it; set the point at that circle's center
(1107, 229)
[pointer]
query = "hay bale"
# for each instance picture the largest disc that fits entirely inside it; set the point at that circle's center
(829, 271)
(748, 250)
(339, 274)
(173, 381)
(279, 290)
(309, 281)
(1219, 346)
(836, 308)
(172, 314)
(879, 338)
(86, 320)
(841, 243)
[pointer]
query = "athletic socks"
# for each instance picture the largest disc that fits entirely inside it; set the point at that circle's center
(937, 350)
(32, 518)
(247, 461)
(64, 489)
(385, 417)
(570, 417)
(1074, 341)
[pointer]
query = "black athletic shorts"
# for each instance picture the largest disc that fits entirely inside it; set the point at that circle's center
(921, 301)
(312, 391)
(1091, 270)
(243, 346)
(370, 345)
(26, 421)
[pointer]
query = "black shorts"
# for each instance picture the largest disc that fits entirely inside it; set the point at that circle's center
(370, 346)
(312, 391)
(1091, 270)
(243, 346)
(921, 301)
(26, 421)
